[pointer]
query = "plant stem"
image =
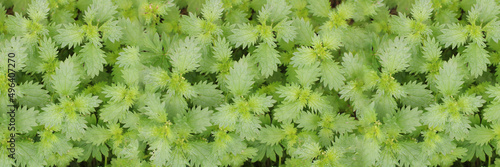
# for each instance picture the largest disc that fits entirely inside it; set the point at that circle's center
(489, 160)
(279, 161)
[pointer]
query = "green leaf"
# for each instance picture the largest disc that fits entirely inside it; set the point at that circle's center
(92, 34)
(308, 75)
(395, 57)
(388, 86)
(47, 49)
(16, 24)
(245, 35)
(248, 127)
(239, 80)
(344, 123)
(160, 150)
(207, 95)
(384, 104)
(483, 11)
(198, 119)
(454, 35)
(6, 160)
(116, 92)
(129, 151)
(352, 65)
(422, 10)
(236, 16)
(38, 10)
(125, 162)
(71, 35)
(66, 80)
(177, 158)
(290, 92)
(260, 103)
(475, 150)
(155, 109)
(331, 75)
(192, 25)
(286, 112)
(226, 116)
(270, 152)
(86, 103)
(319, 8)
(220, 144)
(222, 49)
(26, 154)
(477, 58)
(51, 117)
(113, 112)
(326, 135)
(369, 151)
(156, 78)
(431, 50)
(25, 119)
(492, 30)
(17, 46)
(351, 91)
(65, 159)
(296, 162)
(151, 42)
(129, 58)
(97, 135)
(449, 80)
(494, 92)
(274, 11)
(318, 103)
(308, 150)
(49, 141)
(470, 103)
(308, 121)
(176, 104)
(435, 116)
(100, 11)
(131, 76)
(330, 40)
(74, 127)
(491, 113)
(267, 59)
(32, 95)
(199, 154)
(285, 30)
(93, 59)
(410, 154)
(304, 31)
(212, 10)
(132, 30)
(305, 56)
(408, 119)
(416, 95)
(481, 135)
(186, 56)
(458, 128)
(111, 31)
(240, 158)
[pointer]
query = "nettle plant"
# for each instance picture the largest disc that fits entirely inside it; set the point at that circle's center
(250, 83)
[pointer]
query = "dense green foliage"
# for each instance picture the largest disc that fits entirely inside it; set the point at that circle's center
(255, 83)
